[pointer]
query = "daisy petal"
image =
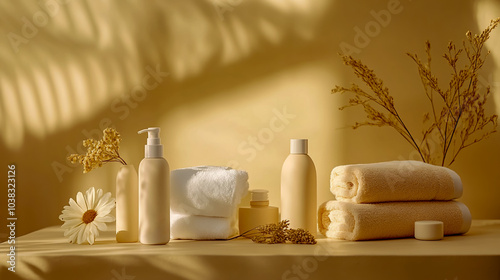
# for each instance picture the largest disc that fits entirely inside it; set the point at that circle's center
(90, 239)
(94, 230)
(105, 219)
(98, 194)
(81, 201)
(89, 234)
(69, 216)
(100, 225)
(107, 205)
(71, 212)
(105, 210)
(72, 230)
(90, 198)
(81, 235)
(75, 206)
(72, 237)
(72, 234)
(71, 223)
(103, 200)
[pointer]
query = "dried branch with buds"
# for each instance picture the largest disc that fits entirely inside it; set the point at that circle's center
(457, 118)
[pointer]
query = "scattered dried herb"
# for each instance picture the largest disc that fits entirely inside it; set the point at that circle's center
(278, 233)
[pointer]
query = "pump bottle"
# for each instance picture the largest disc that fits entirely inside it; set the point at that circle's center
(298, 188)
(154, 192)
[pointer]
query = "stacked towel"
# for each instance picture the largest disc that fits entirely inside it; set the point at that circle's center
(201, 227)
(353, 221)
(383, 200)
(394, 181)
(204, 201)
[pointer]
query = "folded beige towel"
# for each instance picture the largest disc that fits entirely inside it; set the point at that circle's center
(394, 181)
(350, 221)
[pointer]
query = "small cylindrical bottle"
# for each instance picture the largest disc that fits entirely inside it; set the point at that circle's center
(259, 213)
(127, 208)
(298, 188)
(154, 192)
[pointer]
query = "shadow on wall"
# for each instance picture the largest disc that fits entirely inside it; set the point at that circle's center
(72, 68)
(65, 61)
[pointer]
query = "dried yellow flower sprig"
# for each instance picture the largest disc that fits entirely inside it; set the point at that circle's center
(278, 233)
(100, 151)
(457, 118)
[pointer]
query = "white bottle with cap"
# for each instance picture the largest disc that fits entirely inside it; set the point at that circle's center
(154, 192)
(259, 213)
(298, 188)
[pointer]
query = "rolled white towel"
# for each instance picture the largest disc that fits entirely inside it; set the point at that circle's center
(207, 190)
(184, 226)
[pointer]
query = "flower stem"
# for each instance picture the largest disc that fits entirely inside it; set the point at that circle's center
(239, 235)
(414, 144)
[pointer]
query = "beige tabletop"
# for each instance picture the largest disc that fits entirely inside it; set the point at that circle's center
(45, 254)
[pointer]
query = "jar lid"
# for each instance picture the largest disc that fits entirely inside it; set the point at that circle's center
(259, 195)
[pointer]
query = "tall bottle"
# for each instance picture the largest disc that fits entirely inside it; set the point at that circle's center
(154, 192)
(298, 188)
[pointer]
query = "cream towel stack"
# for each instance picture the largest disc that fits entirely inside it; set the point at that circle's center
(383, 200)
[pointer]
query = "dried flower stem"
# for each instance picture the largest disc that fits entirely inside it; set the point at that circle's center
(458, 114)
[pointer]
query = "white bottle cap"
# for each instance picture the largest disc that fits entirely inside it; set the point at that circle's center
(429, 230)
(298, 146)
(154, 148)
(259, 195)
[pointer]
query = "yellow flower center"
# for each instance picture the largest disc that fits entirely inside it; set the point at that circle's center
(89, 216)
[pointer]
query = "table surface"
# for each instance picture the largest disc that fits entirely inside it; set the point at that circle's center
(46, 254)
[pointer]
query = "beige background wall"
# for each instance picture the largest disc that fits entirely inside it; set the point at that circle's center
(237, 80)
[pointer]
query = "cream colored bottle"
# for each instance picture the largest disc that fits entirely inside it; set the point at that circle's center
(298, 188)
(259, 213)
(127, 205)
(154, 192)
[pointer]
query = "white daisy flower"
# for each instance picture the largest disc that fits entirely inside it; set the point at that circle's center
(84, 218)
